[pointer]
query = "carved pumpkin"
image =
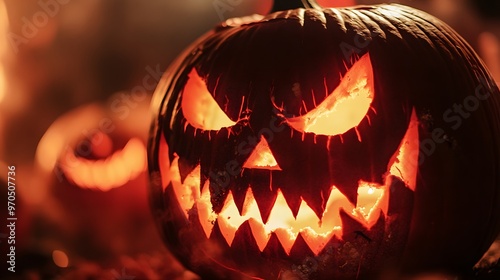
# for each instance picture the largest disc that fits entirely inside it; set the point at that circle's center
(326, 143)
(91, 166)
(99, 150)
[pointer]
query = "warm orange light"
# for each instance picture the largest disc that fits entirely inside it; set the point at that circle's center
(262, 157)
(287, 227)
(164, 162)
(105, 146)
(206, 215)
(111, 172)
(404, 164)
(372, 200)
(188, 191)
(63, 133)
(60, 258)
(345, 108)
(4, 23)
(489, 48)
(2, 83)
(199, 107)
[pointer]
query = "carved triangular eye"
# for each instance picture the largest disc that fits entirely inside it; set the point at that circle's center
(343, 109)
(199, 107)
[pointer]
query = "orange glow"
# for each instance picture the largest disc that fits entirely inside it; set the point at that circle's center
(205, 213)
(404, 164)
(373, 199)
(199, 107)
(105, 146)
(188, 191)
(262, 157)
(2, 83)
(4, 24)
(63, 133)
(489, 48)
(164, 162)
(60, 258)
(316, 232)
(111, 172)
(345, 108)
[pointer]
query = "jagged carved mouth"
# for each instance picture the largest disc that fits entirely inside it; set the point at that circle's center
(373, 199)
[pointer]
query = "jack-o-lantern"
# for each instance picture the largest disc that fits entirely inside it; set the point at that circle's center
(326, 143)
(91, 169)
(97, 149)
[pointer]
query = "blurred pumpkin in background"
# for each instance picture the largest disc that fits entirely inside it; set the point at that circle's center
(92, 162)
(326, 143)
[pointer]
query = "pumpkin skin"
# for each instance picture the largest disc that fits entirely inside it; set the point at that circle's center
(425, 86)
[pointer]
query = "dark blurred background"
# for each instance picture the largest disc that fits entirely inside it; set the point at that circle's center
(76, 78)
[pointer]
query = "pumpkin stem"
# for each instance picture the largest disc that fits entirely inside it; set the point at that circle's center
(282, 5)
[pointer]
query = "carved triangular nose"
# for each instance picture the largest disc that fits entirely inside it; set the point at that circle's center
(262, 157)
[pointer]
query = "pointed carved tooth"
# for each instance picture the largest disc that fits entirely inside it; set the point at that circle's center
(250, 208)
(239, 196)
(229, 219)
(206, 215)
(317, 242)
(244, 241)
(349, 189)
(218, 194)
(351, 227)
(286, 238)
(264, 194)
(281, 221)
(300, 249)
(306, 218)
(370, 199)
(259, 233)
(404, 163)
(331, 217)
(164, 162)
(281, 216)
(274, 249)
(186, 192)
(185, 168)
(293, 201)
(340, 217)
(264, 208)
(315, 201)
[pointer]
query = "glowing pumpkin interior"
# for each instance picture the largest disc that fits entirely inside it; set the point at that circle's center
(341, 111)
